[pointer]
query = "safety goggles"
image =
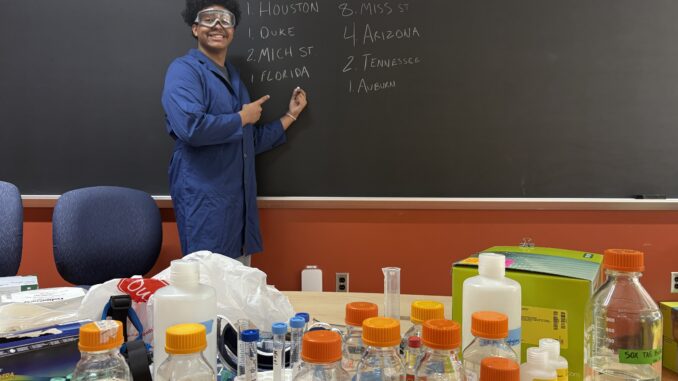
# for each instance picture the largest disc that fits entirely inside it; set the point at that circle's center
(211, 16)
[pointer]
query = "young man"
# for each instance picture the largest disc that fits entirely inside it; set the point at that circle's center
(211, 118)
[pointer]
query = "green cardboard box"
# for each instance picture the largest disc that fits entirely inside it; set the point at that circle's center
(670, 318)
(556, 286)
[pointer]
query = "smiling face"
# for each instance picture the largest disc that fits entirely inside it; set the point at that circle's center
(215, 39)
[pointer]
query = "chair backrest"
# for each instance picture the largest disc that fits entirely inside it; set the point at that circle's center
(105, 232)
(11, 229)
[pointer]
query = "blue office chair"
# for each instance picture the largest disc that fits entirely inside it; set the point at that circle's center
(105, 232)
(11, 229)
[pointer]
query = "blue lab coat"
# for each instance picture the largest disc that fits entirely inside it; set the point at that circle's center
(211, 172)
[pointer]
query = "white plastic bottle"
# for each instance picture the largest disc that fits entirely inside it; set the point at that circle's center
(492, 291)
(537, 367)
(552, 346)
(185, 300)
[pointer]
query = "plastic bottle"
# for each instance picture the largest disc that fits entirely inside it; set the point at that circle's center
(381, 361)
(492, 291)
(353, 347)
(321, 355)
(100, 357)
(490, 330)
(420, 311)
(185, 300)
(537, 367)
(552, 346)
(312, 279)
(623, 334)
(499, 369)
(184, 344)
(440, 360)
(412, 355)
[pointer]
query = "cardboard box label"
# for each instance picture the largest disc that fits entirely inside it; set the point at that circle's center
(538, 323)
(640, 356)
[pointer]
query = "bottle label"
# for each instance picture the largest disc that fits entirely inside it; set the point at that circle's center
(640, 356)
(540, 322)
(513, 338)
(410, 377)
(562, 374)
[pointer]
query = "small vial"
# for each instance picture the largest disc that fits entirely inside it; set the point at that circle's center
(250, 338)
(490, 330)
(381, 361)
(537, 367)
(241, 326)
(306, 317)
(420, 311)
(321, 352)
(353, 347)
(552, 346)
(412, 353)
(440, 360)
(279, 330)
(499, 369)
(296, 331)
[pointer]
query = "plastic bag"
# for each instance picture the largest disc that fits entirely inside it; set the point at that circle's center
(139, 289)
(242, 292)
(39, 308)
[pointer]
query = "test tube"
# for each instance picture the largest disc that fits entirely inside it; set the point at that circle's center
(391, 292)
(306, 317)
(242, 325)
(296, 329)
(250, 338)
(279, 330)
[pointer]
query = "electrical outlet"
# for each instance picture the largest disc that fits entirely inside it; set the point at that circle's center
(674, 282)
(342, 282)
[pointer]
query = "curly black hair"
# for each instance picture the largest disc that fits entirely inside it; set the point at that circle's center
(194, 6)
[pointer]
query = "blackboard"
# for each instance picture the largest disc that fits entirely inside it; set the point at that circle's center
(413, 98)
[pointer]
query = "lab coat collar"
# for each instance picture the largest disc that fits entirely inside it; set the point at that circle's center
(203, 59)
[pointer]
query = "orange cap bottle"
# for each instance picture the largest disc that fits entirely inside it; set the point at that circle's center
(499, 369)
(489, 325)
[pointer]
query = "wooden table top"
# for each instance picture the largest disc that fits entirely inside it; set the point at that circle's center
(329, 307)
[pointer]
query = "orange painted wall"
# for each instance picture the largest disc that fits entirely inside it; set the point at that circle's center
(424, 243)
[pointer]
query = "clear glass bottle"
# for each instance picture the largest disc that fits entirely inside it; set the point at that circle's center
(185, 343)
(499, 369)
(490, 330)
(321, 355)
(100, 357)
(381, 361)
(412, 354)
(353, 347)
(623, 334)
(420, 311)
(440, 359)
(537, 367)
